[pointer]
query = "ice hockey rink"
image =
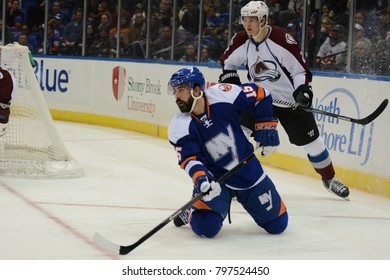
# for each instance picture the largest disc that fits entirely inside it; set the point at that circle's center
(132, 183)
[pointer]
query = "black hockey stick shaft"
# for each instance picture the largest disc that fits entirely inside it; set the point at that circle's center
(332, 54)
(362, 121)
(124, 250)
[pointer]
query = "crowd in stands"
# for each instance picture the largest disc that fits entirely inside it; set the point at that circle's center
(149, 36)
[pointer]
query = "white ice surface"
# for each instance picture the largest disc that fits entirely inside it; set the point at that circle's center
(132, 182)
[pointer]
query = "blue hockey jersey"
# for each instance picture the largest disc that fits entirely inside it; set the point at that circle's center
(214, 141)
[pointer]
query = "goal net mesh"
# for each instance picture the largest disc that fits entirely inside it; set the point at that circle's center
(32, 147)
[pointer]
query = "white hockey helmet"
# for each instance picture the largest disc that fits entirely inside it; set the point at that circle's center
(255, 9)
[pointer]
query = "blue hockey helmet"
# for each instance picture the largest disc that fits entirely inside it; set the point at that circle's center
(187, 76)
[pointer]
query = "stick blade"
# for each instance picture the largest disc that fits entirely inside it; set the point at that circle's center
(106, 244)
(375, 114)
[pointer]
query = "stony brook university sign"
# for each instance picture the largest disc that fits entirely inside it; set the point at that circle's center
(134, 89)
(355, 142)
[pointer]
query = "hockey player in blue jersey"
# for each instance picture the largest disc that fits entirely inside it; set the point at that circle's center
(209, 141)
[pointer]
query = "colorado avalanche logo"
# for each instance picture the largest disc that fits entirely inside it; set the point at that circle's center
(264, 70)
(290, 39)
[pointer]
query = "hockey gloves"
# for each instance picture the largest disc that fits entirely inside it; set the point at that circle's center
(267, 136)
(211, 189)
(303, 96)
(229, 77)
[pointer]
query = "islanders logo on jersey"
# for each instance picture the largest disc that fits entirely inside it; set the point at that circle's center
(225, 87)
(264, 70)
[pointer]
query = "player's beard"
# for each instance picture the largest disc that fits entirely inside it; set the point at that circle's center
(185, 107)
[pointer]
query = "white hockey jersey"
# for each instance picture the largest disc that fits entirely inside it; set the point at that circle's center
(276, 62)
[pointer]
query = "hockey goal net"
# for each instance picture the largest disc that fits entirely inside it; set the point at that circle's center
(32, 147)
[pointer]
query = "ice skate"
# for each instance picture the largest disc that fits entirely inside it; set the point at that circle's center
(183, 218)
(335, 186)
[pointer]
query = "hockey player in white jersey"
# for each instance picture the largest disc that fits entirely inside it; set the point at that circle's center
(274, 59)
(7, 86)
(209, 141)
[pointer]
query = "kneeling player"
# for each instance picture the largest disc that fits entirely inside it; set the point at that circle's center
(209, 141)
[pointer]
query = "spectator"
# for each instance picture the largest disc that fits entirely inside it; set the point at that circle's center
(331, 55)
(384, 25)
(124, 31)
(381, 53)
(8, 35)
(55, 9)
(358, 34)
(137, 28)
(124, 13)
(326, 12)
(58, 24)
(214, 25)
(72, 36)
(189, 54)
(23, 41)
(361, 60)
(105, 21)
(53, 41)
(361, 18)
(90, 39)
(139, 8)
(16, 28)
(164, 12)
(36, 13)
(31, 38)
(13, 11)
(102, 8)
(205, 57)
(155, 27)
(291, 29)
(189, 17)
(161, 47)
(102, 46)
(311, 44)
(224, 39)
(326, 29)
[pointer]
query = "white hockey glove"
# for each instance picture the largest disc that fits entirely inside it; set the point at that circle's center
(211, 189)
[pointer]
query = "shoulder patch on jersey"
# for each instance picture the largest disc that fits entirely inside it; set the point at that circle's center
(225, 87)
(178, 127)
(290, 39)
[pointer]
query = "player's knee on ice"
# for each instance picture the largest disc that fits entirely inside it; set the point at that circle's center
(206, 223)
(276, 226)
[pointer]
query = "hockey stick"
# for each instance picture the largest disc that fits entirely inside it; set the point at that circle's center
(362, 121)
(124, 250)
(332, 54)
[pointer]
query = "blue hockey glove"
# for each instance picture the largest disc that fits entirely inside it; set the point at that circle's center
(303, 96)
(267, 136)
(211, 189)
